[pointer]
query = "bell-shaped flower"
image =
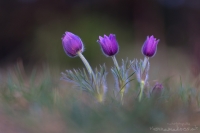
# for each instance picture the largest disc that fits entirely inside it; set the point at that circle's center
(109, 45)
(72, 44)
(157, 89)
(149, 47)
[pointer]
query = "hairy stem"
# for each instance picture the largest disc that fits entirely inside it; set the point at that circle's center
(122, 90)
(141, 90)
(143, 80)
(120, 80)
(144, 64)
(89, 69)
(115, 62)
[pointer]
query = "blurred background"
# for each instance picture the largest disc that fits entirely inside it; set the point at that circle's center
(31, 30)
(30, 36)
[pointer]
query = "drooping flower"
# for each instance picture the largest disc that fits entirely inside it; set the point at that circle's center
(72, 44)
(109, 45)
(149, 47)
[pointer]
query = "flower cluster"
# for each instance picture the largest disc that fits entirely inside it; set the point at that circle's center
(94, 82)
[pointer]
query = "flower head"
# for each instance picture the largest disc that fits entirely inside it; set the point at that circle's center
(149, 47)
(72, 44)
(158, 88)
(108, 45)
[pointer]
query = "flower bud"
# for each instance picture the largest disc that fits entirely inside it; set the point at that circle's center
(72, 44)
(109, 45)
(149, 47)
(157, 89)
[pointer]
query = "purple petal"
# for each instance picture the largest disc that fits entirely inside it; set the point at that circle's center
(149, 47)
(108, 44)
(72, 44)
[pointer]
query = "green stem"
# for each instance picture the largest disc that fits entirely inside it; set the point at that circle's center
(99, 96)
(141, 90)
(87, 65)
(115, 62)
(144, 64)
(121, 81)
(142, 83)
(122, 94)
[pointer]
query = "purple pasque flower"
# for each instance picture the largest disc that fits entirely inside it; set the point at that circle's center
(149, 47)
(157, 89)
(72, 44)
(109, 45)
